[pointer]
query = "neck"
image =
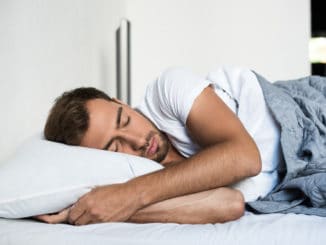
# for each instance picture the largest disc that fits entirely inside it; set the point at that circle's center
(172, 157)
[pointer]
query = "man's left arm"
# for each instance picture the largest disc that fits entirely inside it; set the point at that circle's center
(229, 155)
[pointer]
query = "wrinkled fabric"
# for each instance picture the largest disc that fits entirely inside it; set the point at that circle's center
(299, 107)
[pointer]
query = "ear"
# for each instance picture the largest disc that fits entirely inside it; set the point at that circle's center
(118, 101)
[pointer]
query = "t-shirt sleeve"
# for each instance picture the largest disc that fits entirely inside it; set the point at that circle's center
(177, 89)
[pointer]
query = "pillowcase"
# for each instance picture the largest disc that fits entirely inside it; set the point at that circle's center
(45, 177)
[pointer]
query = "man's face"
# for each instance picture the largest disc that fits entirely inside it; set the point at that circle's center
(115, 126)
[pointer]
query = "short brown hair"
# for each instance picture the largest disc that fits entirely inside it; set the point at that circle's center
(68, 119)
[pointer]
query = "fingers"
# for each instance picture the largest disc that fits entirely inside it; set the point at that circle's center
(80, 212)
(84, 219)
(104, 204)
(61, 217)
(79, 215)
(44, 217)
(75, 213)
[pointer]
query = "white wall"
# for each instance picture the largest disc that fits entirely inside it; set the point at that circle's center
(47, 47)
(269, 36)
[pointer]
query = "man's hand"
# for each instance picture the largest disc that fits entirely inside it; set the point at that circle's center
(61, 217)
(111, 203)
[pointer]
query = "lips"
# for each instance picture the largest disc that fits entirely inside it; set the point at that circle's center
(152, 148)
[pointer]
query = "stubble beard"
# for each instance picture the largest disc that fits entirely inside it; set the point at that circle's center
(162, 148)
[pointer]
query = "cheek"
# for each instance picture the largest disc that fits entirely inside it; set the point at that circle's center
(143, 125)
(128, 150)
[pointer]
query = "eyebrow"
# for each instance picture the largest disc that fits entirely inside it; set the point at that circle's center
(107, 145)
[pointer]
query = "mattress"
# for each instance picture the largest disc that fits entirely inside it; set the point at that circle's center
(250, 229)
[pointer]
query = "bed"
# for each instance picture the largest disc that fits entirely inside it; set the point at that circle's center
(250, 229)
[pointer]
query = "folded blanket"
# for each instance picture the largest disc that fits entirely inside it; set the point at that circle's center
(299, 106)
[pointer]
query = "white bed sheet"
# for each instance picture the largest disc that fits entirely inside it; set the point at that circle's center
(250, 229)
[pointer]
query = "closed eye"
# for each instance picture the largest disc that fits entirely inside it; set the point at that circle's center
(115, 147)
(127, 122)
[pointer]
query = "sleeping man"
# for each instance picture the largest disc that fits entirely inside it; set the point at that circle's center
(215, 136)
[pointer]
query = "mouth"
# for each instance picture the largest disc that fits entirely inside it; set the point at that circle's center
(152, 148)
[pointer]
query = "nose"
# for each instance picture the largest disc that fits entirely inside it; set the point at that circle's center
(134, 140)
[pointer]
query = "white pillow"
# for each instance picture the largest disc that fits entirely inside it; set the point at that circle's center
(46, 177)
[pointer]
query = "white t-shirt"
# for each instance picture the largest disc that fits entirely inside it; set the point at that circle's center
(168, 101)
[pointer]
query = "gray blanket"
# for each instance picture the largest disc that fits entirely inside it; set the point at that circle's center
(299, 106)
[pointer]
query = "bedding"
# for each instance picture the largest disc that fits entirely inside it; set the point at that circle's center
(299, 106)
(251, 229)
(46, 177)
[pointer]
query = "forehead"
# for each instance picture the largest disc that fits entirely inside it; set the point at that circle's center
(98, 107)
(102, 120)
